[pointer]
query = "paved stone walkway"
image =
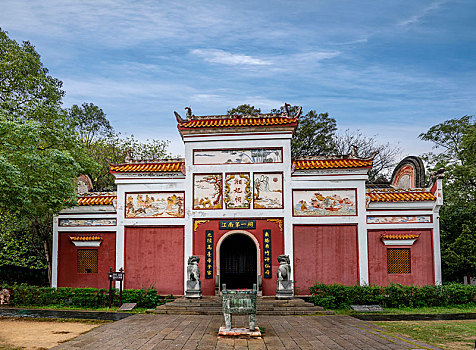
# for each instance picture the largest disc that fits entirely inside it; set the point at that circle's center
(188, 332)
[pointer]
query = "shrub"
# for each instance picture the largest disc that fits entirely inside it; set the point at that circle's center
(336, 296)
(25, 295)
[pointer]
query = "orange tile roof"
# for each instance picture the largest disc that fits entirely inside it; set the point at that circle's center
(397, 236)
(86, 238)
(148, 167)
(400, 196)
(233, 122)
(304, 164)
(96, 200)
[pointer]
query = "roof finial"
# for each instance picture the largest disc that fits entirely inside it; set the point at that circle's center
(189, 113)
(286, 109)
(179, 118)
(298, 112)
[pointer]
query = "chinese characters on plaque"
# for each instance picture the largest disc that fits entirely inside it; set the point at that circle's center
(208, 254)
(237, 224)
(237, 191)
(267, 253)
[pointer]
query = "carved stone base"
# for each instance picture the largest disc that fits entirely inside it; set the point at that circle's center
(194, 290)
(284, 294)
(193, 294)
(284, 290)
(239, 332)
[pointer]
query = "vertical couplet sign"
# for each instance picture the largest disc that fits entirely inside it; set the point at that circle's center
(267, 253)
(208, 254)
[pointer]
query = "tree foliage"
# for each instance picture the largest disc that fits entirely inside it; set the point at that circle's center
(90, 123)
(384, 154)
(244, 109)
(317, 135)
(26, 89)
(40, 155)
(19, 246)
(455, 150)
(314, 136)
(114, 149)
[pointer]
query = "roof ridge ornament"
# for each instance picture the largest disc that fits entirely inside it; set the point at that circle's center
(285, 111)
(190, 115)
(180, 120)
(298, 112)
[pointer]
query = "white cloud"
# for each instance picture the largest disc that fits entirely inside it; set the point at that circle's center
(228, 58)
(293, 62)
(351, 42)
(416, 18)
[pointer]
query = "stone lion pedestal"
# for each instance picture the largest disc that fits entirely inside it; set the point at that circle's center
(284, 285)
(194, 286)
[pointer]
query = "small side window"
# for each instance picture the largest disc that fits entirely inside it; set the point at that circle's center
(398, 260)
(87, 261)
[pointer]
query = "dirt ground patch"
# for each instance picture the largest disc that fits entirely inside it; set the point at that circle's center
(35, 334)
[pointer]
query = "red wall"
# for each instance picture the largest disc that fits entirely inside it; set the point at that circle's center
(68, 275)
(422, 267)
(154, 258)
(277, 248)
(325, 254)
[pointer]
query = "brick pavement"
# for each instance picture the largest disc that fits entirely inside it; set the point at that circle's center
(147, 332)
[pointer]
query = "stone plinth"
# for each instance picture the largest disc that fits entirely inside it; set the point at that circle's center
(239, 332)
(194, 290)
(284, 290)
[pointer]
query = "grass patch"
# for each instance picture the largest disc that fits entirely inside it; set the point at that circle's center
(446, 334)
(455, 309)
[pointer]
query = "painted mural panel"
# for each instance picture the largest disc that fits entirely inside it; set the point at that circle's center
(268, 190)
(232, 156)
(207, 191)
(155, 205)
(413, 219)
(237, 191)
(86, 222)
(336, 202)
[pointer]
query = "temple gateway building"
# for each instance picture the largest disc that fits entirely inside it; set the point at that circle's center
(238, 201)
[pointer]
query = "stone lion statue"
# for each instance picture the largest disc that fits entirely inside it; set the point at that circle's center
(284, 269)
(193, 271)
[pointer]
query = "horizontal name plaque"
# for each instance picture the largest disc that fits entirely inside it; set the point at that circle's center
(237, 224)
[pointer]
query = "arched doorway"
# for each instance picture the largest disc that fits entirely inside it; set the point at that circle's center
(238, 262)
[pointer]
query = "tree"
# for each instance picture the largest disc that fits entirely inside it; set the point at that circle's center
(456, 140)
(314, 136)
(26, 89)
(90, 123)
(113, 150)
(40, 155)
(244, 109)
(36, 175)
(384, 153)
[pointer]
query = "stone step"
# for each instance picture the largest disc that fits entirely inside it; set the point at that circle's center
(265, 306)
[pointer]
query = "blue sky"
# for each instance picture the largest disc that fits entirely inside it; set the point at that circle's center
(389, 68)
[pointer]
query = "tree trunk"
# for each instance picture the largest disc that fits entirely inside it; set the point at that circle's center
(48, 259)
(46, 248)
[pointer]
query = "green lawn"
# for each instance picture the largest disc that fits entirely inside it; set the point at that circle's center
(455, 335)
(456, 309)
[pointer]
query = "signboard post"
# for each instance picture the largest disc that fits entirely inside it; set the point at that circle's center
(115, 276)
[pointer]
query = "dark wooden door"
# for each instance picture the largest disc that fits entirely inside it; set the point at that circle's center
(238, 262)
